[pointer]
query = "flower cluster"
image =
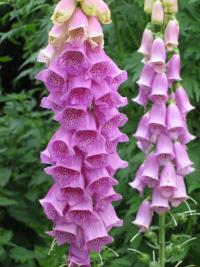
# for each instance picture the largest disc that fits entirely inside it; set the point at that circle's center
(162, 133)
(82, 82)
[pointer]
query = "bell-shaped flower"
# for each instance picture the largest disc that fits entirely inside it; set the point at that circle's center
(100, 65)
(138, 183)
(95, 33)
(89, 7)
(174, 68)
(148, 5)
(59, 146)
(98, 181)
(116, 77)
(157, 15)
(72, 117)
(142, 98)
(66, 172)
(96, 155)
(115, 163)
(58, 35)
(110, 218)
(183, 162)
(147, 76)
(159, 91)
(144, 216)
(158, 55)
(142, 133)
(172, 35)
(49, 103)
(46, 55)
(164, 149)
(103, 12)
(74, 192)
(113, 140)
(45, 157)
(168, 184)
(146, 45)
(174, 121)
(82, 214)
(159, 204)
(96, 236)
(186, 137)
(78, 256)
(79, 91)
(86, 135)
(182, 100)
(53, 208)
(104, 200)
(77, 28)
(64, 233)
(150, 174)
(63, 11)
(157, 119)
(180, 194)
(73, 59)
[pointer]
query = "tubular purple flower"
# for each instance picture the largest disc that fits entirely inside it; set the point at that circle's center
(46, 55)
(159, 91)
(174, 121)
(138, 183)
(158, 55)
(183, 162)
(58, 35)
(168, 184)
(146, 45)
(180, 194)
(172, 35)
(159, 203)
(173, 68)
(164, 149)
(182, 100)
(150, 174)
(95, 33)
(157, 120)
(144, 216)
(157, 15)
(142, 98)
(63, 11)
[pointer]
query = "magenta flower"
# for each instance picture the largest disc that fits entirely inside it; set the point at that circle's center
(83, 83)
(144, 216)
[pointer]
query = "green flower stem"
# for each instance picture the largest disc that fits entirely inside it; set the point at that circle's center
(162, 260)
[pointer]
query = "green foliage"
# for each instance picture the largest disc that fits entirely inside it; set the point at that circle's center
(25, 130)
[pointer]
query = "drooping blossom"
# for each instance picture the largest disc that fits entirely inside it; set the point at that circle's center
(162, 133)
(82, 82)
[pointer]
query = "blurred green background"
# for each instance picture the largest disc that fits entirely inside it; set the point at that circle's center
(25, 130)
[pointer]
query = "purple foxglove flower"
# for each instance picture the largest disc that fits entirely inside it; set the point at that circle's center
(144, 216)
(180, 194)
(99, 181)
(45, 157)
(142, 133)
(173, 68)
(115, 163)
(157, 15)
(77, 28)
(158, 55)
(58, 35)
(157, 119)
(164, 149)
(96, 236)
(78, 256)
(72, 117)
(186, 136)
(159, 203)
(49, 103)
(82, 214)
(46, 55)
(63, 11)
(59, 146)
(103, 12)
(138, 182)
(107, 198)
(148, 5)
(147, 76)
(159, 91)
(168, 184)
(146, 45)
(97, 156)
(182, 100)
(174, 121)
(79, 91)
(150, 174)
(95, 33)
(142, 98)
(64, 233)
(53, 208)
(110, 218)
(172, 35)
(100, 67)
(114, 139)
(117, 77)
(73, 59)
(183, 162)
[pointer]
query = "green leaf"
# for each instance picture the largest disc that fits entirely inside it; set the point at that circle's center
(5, 175)
(4, 201)
(5, 236)
(20, 254)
